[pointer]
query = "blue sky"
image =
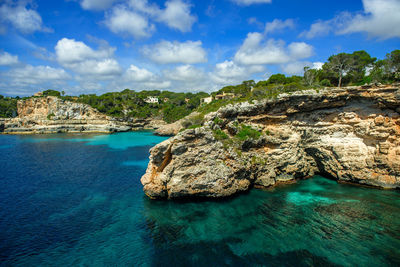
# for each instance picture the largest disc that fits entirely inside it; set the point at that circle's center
(96, 46)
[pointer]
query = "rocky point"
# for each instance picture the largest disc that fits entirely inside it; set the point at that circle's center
(349, 134)
(53, 115)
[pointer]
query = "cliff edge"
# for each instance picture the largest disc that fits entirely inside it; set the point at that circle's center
(350, 134)
(53, 115)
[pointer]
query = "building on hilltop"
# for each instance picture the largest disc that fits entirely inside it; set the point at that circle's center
(151, 100)
(38, 94)
(206, 100)
(225, 96)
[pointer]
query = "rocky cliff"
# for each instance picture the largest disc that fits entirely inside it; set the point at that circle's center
(350, 134)
(52, 115)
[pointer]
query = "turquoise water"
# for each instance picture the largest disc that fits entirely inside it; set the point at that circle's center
(76, 200)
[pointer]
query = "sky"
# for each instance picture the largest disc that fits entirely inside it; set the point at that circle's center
(98, 46)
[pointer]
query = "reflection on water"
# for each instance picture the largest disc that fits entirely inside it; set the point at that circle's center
(69, 200)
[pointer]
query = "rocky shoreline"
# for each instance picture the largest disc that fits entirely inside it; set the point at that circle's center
(44, 115)
(349, 134)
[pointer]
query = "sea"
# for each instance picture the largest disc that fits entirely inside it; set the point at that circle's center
(77, 200)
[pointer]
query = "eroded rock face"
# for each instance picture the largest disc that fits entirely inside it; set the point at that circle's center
(52, 115)
(349, 134)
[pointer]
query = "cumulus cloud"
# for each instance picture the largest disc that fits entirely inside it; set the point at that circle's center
(257, 51)
(300, 50)
(177, 15)
(319, 28)
(297, 67)
(96, 4)
(156, 85)
(136, 74)
(7, 59)
(228, 72)
(26, 79)
(37, 74)
(134, 17)
(125, 21)
(20, 16)
(317, 65)
(278, 25)
(84, 60)
(251, 2)
(166, 52)
(187, 73)
(379, 19)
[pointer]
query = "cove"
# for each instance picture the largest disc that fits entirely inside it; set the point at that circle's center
(68, 200)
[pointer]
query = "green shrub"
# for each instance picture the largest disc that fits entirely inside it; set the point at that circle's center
(8, 107)
(247, 132)
(194, 126)
(218, 121)
(220, 135)
(50, 116)
(325, 82)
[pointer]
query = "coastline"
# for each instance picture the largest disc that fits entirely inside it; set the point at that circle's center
(350, 134)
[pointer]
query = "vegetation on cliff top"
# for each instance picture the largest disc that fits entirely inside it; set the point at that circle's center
(342, 69)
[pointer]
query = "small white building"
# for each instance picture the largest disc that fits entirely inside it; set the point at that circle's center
(206, 100)
(151, 100)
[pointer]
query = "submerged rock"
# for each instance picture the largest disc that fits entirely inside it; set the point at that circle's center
(349, 134)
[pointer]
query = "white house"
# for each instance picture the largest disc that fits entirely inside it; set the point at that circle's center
(151, 100)
(206, 100)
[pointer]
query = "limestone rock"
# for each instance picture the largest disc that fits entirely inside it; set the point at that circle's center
(349, 134)
(53, 115)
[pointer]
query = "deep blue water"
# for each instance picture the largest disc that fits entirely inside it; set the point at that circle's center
(76, 200)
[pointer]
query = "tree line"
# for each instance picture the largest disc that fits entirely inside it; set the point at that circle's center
(343, 69)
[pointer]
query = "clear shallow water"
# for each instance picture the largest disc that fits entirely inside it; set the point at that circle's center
(76, 200)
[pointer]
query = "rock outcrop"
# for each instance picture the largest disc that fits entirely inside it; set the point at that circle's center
(174, 128)
(53, 115)
(350, 134)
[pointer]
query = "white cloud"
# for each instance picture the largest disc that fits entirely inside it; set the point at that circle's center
(136, 74)
(125, 21)
(28, 79)
(82, 59)
(300, 50)
(37, 74)
(24, 19)
(96, 4)
(317, 65)
(319, 28)
(144, 7)
(295, 68)
(7, 59)
(177, 15)
(166, 52)
(251, 2)
(228, 72)
(101, 69)
(70, 51)
(278, 25)
(380, 19)
(185, 73)
(134, 17)
(257, 51)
